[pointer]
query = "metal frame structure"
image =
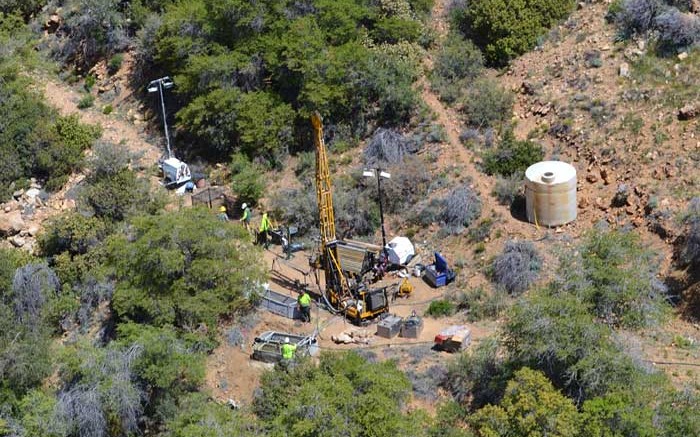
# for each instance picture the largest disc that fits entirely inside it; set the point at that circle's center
(356, 300)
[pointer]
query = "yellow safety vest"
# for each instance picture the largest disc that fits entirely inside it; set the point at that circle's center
(305, 300)
(288, 351)
(265, 223)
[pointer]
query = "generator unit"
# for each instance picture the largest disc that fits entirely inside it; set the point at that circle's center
(175, 172)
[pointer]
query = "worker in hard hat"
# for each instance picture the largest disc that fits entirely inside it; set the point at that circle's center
(245, 219)
(305, 306)
(265, 227)
(222, 214)
(288, 350)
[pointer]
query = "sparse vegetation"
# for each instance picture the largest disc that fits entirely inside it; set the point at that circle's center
(460, 208)
(457, 63)
(387, 147)
(690, 250)
(517, 268)
(486, 104)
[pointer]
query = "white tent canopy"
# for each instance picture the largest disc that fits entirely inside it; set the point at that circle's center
(400, 250)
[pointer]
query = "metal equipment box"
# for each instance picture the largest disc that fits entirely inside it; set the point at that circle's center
(438, 274)
(411, 327)
(285, 306)
(389, 327)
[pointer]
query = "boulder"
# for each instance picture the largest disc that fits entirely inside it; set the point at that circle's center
(32, 192)
(11, 223)
(17, 241)
(688, 112)
(624, 69)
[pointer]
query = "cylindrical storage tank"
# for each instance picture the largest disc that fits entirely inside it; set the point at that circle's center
(550, 193)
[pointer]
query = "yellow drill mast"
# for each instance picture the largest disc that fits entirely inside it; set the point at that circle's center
(324, 190)
(337, 289)
(345, 290)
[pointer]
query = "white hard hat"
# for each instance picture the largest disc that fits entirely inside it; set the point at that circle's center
(244, 206)
(286, 339)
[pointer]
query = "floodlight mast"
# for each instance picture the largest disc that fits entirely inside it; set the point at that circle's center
(158, 85)
(379, 174)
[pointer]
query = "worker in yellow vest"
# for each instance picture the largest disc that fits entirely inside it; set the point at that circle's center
(265, 227)
(305, 306)
(288, 350)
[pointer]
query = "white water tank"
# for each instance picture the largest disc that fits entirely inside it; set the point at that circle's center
(550, 193)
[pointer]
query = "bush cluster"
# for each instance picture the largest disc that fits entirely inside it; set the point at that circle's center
(486, 104)
(457, 64)
(512, 156)
(169, 272)
(503, 29)
(89, 31)
(675, 28)
(616, 277)
(440, 308)
(249, 76)
(34, 140)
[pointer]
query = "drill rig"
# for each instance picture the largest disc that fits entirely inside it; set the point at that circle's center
(347, 266)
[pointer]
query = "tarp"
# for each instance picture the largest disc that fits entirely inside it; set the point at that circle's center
(400, 250)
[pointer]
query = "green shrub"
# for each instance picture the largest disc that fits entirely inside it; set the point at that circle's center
(117, 196)
(73, 233)
(310, 397)
(481, 231)
(505, 29)
(87, 101)
(557, 334)
(107, 109)
(62, 154)
(507, 189)
(616, 277)
(457, 63)
(440, 308)
(529, 394)
(90, 81)
(255, 124)
(248, 180)
(183, 268)
(512, 156)
(198, 415)
(115, 63)
(480, 304)
(394, 29)
(26, 8)
(478, 377)
(486, 104)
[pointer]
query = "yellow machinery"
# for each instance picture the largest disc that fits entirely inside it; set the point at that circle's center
(346, 265)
